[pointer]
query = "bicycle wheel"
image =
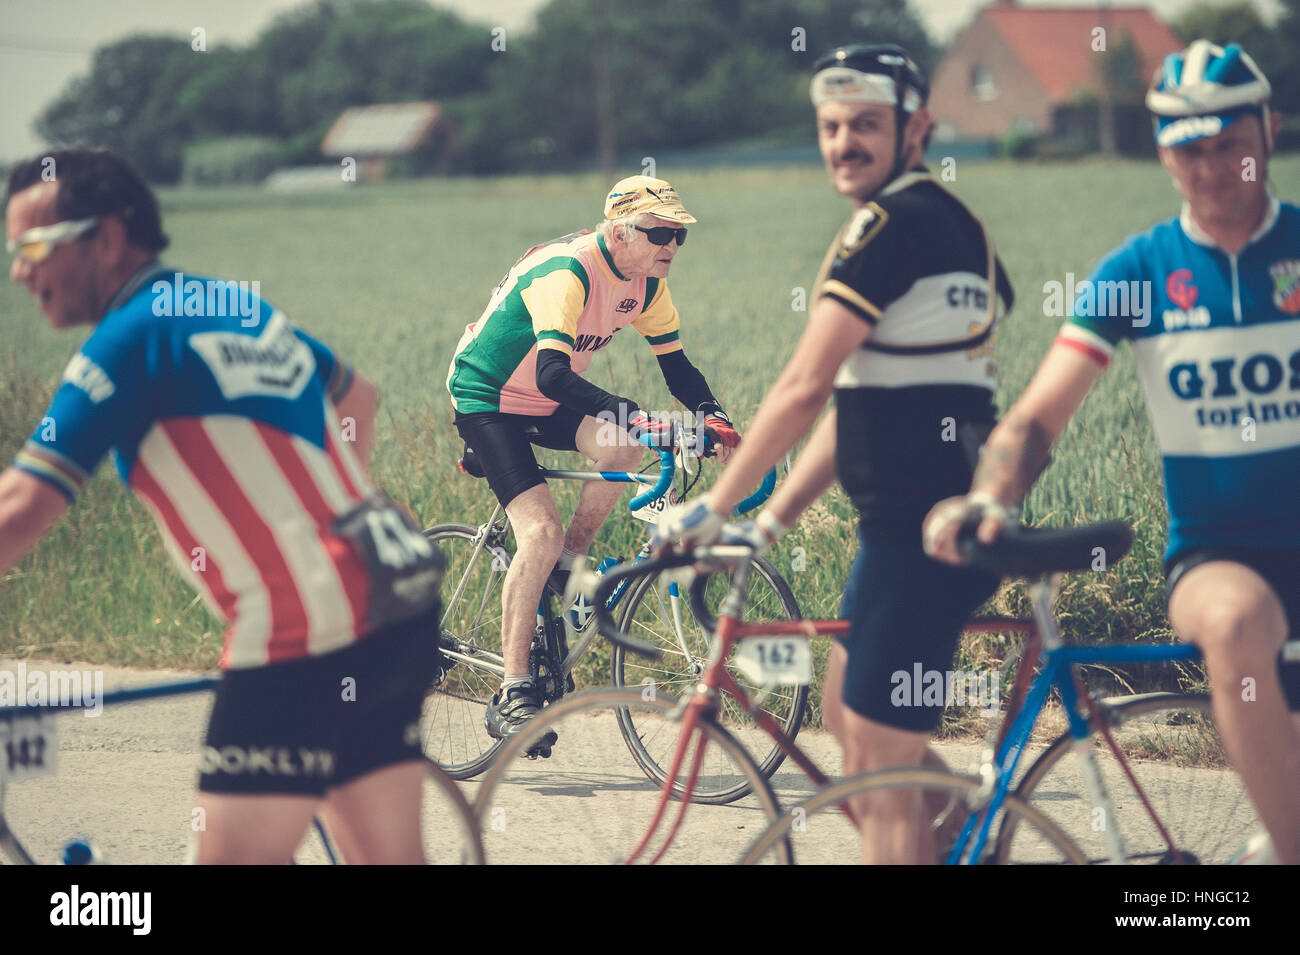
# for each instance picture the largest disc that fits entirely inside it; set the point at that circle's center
(820, 833)
(580, 806)
(1170, 742)
(648, 614)
(447, 822)
(452, 726)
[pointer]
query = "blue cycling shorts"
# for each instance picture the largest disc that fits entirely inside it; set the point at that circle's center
(906, 613)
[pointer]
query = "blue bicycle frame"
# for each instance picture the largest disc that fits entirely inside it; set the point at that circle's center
(1057, 663)
(10, 842)
(661, 485)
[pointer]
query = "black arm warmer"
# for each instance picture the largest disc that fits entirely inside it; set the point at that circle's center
(557, 381)
(687, 384)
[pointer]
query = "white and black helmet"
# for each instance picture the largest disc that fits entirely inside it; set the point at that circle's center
(1202, 90)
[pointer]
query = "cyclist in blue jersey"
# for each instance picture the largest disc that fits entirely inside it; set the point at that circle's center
(248, 441)
(1218, 353)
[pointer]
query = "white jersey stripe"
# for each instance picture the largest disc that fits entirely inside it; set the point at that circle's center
(323, 473)
(296, 532)
(333, 434)
(251, 631)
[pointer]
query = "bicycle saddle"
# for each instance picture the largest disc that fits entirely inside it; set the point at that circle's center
(1022, 551)
(470, 464)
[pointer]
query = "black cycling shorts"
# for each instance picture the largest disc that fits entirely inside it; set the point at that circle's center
(1280, 567)
(503, 443)
(906, 615)
(306, 726)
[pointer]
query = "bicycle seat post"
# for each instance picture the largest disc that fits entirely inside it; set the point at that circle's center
(1043, 592)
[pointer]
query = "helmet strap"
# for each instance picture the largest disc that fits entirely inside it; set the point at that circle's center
(900, 122)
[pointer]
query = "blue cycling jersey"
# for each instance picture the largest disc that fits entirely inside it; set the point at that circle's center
(221, 416)
(1217, 341)
(179, 346)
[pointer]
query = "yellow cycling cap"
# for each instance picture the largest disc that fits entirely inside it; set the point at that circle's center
(637, 194)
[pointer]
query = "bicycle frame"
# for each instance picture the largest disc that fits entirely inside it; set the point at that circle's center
(999, 766)
(496, 526)
(1007, 738)
(9, 843)
(702, 703)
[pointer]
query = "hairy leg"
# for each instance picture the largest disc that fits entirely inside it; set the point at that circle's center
(538, 538)
(1232, 614)
(609, 449)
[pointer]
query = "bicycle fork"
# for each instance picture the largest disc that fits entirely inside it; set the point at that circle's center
(1086, 753)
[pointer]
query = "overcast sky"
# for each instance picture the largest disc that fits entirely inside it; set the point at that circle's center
(46, 43)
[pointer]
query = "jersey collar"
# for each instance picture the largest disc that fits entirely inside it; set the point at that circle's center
(608, 259)
(906, 179)
(135, 283)
(1201, 237)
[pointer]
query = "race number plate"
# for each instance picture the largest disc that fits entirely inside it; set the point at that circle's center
(27, 744)
(773, 660)
(650, 513)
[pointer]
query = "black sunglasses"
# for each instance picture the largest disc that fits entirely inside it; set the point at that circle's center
(662, 234)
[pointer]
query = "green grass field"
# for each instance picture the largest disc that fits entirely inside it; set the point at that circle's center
(390, 275)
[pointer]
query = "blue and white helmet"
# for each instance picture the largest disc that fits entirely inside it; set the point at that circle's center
(1204, 89)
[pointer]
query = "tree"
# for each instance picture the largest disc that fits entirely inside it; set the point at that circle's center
(125, 103)
(1272, 48)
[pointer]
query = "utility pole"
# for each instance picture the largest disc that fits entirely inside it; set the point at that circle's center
(605, 132)
(1106, 104)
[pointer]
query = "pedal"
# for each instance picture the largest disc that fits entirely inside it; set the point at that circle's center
(542, 748)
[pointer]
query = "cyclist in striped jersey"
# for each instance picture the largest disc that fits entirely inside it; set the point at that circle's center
(516, 380)
(227, 422)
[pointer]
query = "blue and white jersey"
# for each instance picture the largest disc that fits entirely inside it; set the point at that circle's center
(220, 414)
(1217, 341)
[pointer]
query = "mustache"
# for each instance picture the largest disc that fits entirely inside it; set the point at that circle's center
(857, 155)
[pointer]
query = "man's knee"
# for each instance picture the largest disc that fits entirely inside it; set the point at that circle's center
(1235, 633)
(542, 536)
(621, 456)
(869, 745)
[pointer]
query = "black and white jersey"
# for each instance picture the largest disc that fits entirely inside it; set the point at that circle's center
(916, 400)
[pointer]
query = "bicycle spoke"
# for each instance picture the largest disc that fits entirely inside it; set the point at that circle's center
(587, 804)
(1173, 750)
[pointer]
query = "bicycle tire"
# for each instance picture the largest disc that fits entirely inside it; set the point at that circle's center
(452, 727)
(575, 810)
(840, 843)
(677, 672)
(1199, 799)
(467, 845)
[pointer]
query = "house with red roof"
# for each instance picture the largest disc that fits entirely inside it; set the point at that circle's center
(1020, 69)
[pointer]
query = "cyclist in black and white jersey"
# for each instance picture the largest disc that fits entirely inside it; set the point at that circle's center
(902, 332)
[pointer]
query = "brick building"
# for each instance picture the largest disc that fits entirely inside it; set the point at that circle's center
(1026, 70)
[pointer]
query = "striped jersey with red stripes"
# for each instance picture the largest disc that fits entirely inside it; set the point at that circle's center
(224, 425)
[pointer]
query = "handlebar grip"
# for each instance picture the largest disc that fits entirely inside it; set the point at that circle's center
(605, 624)
(758, 497)
(665, 477)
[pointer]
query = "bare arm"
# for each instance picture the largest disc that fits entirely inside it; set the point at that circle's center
(28, 508)
(1020, 446)
(811, 477)
(792, 405)
(361, 404)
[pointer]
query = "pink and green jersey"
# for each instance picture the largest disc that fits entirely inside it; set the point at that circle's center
(565, 294)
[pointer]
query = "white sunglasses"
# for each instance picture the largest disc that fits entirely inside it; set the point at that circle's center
(35, 245)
